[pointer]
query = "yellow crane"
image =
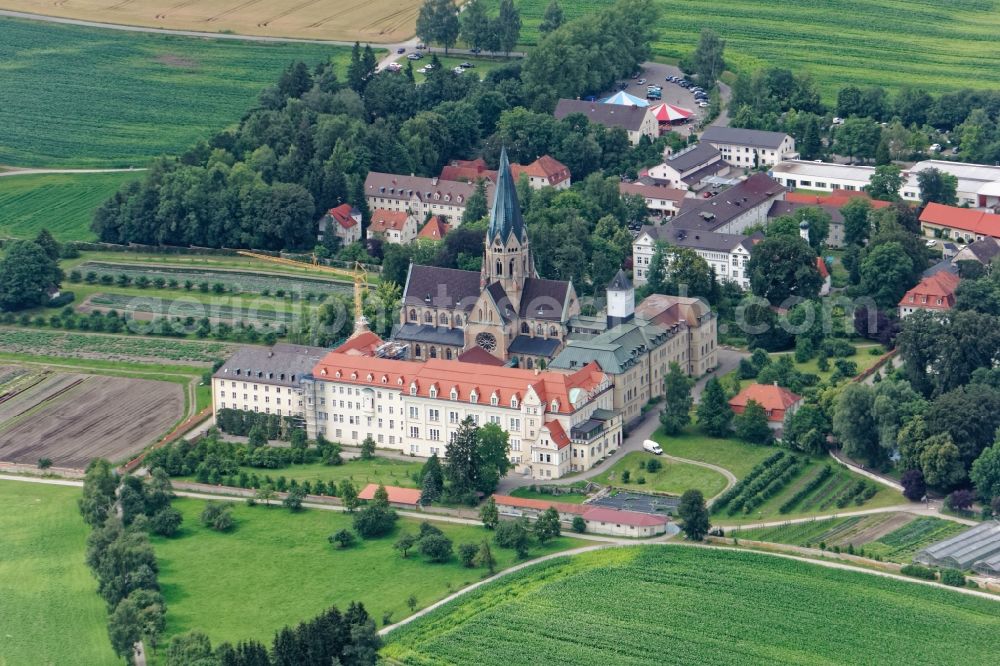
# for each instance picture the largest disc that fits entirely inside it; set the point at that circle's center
(358, 275)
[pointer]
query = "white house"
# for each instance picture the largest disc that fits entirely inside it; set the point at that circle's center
(393, 226)
(662, 201)
(750, 148)
(688, 168)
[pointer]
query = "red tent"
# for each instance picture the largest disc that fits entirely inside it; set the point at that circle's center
(667, 113)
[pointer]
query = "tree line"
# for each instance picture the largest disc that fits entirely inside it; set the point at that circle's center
(441, 22)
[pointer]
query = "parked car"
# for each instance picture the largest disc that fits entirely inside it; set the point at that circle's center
(476, 50)
(422, 70)
(935, 147)
(466, 65)
(931, 243)
(421, 47)
(458, 70)
(652, 447)
(838, 120)
(642, 82)
(703, 104)
(401, 50)
(415, 56)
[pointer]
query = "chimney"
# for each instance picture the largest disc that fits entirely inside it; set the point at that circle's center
(434, 180)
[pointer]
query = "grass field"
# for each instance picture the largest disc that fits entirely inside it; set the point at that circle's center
(49, 609)
(77, 96)
(673, 477)
(277, 568)
(360, 472)
(734, 455)
(381, 21)
(568, 498)
(677, 605)
(938, 46)
(62, 203)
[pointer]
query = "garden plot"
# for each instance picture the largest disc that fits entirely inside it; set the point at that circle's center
(30, 343)
(73, 418)
(151, 307)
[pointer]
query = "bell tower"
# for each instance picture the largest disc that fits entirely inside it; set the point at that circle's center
(508, 257)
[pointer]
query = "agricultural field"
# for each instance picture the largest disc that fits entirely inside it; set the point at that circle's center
(49, 608)
(62, 203)
(681, 605)
(73, 418)
(76, 96)
(235, 281)
(105, 347)
(934, 45)
(673, 478)
(890, 536)
(149, 307)
(377, 21)
(276, 568)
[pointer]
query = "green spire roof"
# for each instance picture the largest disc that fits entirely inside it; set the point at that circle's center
(505, 216)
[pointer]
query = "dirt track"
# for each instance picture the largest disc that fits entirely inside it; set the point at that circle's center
(72, 419)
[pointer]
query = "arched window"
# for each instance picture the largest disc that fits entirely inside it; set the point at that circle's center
(511, 272)
(525, 328)
(447, 353)
(499, 268)
(443, 318)
(413, 314)
(539, 329)
(428, 318)
(553, 332)
(458, 320)
(432, 352)
(531, 363)
(416, 350)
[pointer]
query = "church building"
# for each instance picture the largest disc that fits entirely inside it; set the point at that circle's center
(505, 310)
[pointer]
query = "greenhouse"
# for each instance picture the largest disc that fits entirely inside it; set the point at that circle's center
(972, 549)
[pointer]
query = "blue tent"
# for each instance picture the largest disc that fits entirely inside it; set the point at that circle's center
(624, 99)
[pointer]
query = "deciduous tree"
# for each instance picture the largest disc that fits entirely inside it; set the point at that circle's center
(694, 514)
(677, 393)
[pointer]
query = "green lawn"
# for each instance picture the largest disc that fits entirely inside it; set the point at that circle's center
(734, 455)
(677, 605)
(62, 203)
(673, 477)
(75, 96)
(861, 357)
(386, 471)
(49, 609)
(482, 65)
(934, 45)
(568, 498)
(277, 568)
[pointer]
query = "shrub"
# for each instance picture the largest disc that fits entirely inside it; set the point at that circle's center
(641, 480)
(579, 524)
(952, 577)
(44, 463)
(918, 571)
(626, 476)
(960, 500)
(374, 521)
(467, 554)
(217, 516)
(436, 547)
(914, 487)
(513, 534)
(342, 539)
(654, 466)
(166, 522)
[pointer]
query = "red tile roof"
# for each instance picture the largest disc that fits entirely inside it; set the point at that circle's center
(384, 220)
(480, 356)
(821, 267)
(546, 167)
(342, 214)
(940, 285)
(965, 219)
(465, 378)
(631, 518)
(468, 171)
(435, 229)
(836, 199)
(396, 494)
(557, 434)
(540, 505)
(363, 344)
(768, 396)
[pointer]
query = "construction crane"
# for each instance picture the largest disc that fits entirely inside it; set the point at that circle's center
(357, 274)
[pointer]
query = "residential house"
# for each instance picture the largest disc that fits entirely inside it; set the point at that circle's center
(398, 227)
(546, 171)
(660, 201)
(344, 222)
(265, 380)
(728, 254)
(688, 168)
(434, 230)
(419, 196)
(935, 293)
(777, 401)
(964, 225)
(984, 251)
(750, 148)
(637, 121)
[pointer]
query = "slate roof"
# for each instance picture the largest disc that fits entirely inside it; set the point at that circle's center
(505, 216)
(615, 350)
(697, 239)
(543, 299)
(710, 214)
(619, 282)
(628, 118)
(743, 137)
(653, 191)
(985, 250)
(426, 333)
(525, 344)
(281, 365)
(695, 157)
(782, 208)
(429, 190)
(441, 287)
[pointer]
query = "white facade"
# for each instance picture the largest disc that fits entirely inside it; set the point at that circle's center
(730, 263)
(751, 156)
(821, 176)
(978, 184)
(254, 395)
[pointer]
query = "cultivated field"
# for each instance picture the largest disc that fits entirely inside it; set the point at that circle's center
(105, 347)
(677, 605)
(72, 419)
(50, 612)
(934, 45)
(379, 21)
(76, 96)
(276, 568)
(62, 203)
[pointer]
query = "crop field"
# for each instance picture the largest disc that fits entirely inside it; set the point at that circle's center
(891, 536)
(72, 418)
(76, 96)
(679, 605)
(673, 477)
(235, 281)
(109, 347)
(276, 568)
(378, 21)
(144, 307)
(892, 43)
(62, 203)
(50, 612)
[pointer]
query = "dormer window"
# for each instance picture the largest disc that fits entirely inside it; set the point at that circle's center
(473, 397)
(494, 400)
(513, 402)
(399, 382)
(434, 392)
(370, 377)
(337, 374)
(354, 375)
(385, 379)
(413, 388)
(555, 405)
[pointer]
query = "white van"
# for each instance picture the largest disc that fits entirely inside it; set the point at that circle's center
(652, 447)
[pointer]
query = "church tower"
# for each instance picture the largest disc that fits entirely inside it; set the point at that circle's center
(621, 300)
(508, 253)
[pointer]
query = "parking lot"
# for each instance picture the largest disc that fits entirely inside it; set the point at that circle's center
(656, 74)
(626, 501)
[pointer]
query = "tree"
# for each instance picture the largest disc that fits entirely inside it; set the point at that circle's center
(688, 274)
(656, 276)
(941, 461)
(707, 61)
(98, 492)
(348, 495)
(937, 186)
(467, 554)
(342, 538)
(806, 430)
(461, 455)
(293, 499)
(125, 630)
(435, 547)
(166, 522)
(782, 266)
(381, 496)
(547, 525)
(475, 31)
(404, 543)
(432, 481)
(513, 534)
(856, 225)
(489, 515)
(45, 241)
(857, 137)
(914, 487)
(677, 393)
(257, 437)
(375, 520)
(476, 207)
(265, 494)
(960, 500)
(854, 425)
(27, 272)
(694, 513)
(985, 473)
(970, 415)
(579, 524)
(714, 413)
(883, 156)
(885, 183)
(752, 426)
(507, 26)
(484, 558)
(190, 649)
(368, 448)
(217, 516)
(552, 19)
(492, 457)
(885, 273)
(438, 22)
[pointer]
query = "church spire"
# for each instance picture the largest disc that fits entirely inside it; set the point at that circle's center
(505, 216)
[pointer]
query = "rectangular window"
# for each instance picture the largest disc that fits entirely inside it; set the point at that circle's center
(414, 412)
(435, 434)
(414, 432)
(433, 415)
